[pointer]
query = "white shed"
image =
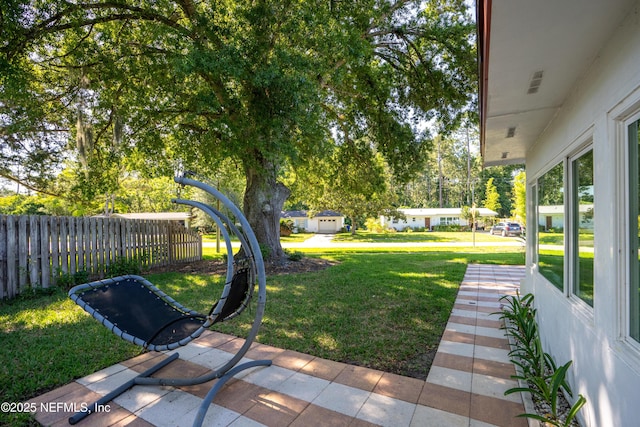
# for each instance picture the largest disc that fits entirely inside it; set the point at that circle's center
(327, 221)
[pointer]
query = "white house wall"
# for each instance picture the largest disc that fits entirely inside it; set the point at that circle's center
(606, 369)
(419, 222)
(312, 225)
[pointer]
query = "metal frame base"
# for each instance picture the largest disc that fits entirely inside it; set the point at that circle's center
(143, 378)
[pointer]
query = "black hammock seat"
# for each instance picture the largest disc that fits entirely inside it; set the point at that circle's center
(139, 312)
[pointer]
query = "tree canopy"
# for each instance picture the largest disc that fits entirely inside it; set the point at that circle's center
(102, 87)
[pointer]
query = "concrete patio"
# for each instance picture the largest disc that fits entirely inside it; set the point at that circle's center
(465, 386)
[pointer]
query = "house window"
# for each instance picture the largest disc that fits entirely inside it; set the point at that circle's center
(582, 226)
(633, 136)
(449, 220)
(551, 225)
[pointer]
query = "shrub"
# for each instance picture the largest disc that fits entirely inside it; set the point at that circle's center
(295, 255)
(373, 225)
(122, 266)
(544, 380)
(69, 280)
(286, 227)
(449, 228)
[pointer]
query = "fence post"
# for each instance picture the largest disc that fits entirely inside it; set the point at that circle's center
(73, 250)
(34, 265)
(12, 274)
(45, 250)
(23, 253)
(64, 245)
(102, 248)
(171, 242)
(55, 248)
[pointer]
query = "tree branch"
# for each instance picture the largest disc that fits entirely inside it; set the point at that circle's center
(27, 185)
(54, 24)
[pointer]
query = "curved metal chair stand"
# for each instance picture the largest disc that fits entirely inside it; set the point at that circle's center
(137, 311)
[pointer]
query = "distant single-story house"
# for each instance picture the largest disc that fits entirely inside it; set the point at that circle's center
(428, 218)
(323, 222)
(560, 92)
(552, 217)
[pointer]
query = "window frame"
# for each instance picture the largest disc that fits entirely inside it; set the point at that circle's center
(562, 161)
(572, 220)
(619, 118)
(630, 280)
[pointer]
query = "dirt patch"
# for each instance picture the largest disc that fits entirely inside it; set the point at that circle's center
(418, 367)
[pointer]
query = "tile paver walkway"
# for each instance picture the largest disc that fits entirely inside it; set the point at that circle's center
(465, 386)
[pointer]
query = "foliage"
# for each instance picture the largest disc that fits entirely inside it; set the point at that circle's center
(503, 178)
(21, 205)
(136, 194)
(519, 212)
(68, 280)
(150, 86)
(294, 255)
(354, 181)
(373, 225)
(449, 228)
(551, 187)
(537, 369)
(451, 173)
(491, 197)
(470, 214)
(286, 227)
(123, 265)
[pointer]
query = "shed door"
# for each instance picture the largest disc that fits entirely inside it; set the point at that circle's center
(427, 223)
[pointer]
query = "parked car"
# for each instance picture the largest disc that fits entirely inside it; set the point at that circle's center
(506, 229)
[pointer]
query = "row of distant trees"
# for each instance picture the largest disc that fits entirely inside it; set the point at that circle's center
(500, 189)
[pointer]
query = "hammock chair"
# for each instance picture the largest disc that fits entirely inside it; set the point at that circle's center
(137, 311)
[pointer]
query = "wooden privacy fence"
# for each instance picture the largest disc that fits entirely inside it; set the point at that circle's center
(37, 251)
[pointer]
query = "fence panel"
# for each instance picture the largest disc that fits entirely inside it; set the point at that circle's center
(36, 251)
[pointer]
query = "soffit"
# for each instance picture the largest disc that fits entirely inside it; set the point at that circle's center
(560, 39)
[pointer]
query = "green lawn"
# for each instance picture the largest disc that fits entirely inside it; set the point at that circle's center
(551, 265)
(296, 237)
(378, 309)
(585, 239)
(420, 237)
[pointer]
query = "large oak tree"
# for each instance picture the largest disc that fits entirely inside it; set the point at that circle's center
(269, 84)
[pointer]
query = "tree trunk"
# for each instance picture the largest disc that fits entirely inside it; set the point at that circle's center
(264, 198)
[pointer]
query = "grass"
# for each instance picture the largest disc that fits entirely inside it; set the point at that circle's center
(48, 341)
(384, 310)
(296, 237)
(419, 237)
(551, 266)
